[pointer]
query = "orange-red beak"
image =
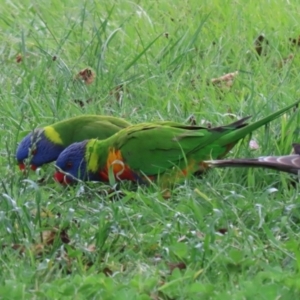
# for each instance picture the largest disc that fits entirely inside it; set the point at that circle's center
(22, 167)
(61, 178)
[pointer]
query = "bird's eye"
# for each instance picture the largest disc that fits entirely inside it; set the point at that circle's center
(69, 165)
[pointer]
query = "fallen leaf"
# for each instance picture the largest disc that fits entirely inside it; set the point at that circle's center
(19, 58)
(87, 75)
(49, 236)
(226, 79)
(38, 249)
(91, 248)
(166, 194)
(179, 265)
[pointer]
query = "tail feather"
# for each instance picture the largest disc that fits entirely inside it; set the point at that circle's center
(287, 163)
(242, 131)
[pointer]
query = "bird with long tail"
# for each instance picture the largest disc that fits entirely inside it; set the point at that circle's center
(143, 152)
(43, 145)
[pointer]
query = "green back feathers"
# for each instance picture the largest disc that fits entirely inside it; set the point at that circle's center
(84, 127)
(154, 148)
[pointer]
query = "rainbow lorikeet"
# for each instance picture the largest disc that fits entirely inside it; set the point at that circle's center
(44, 145)
(148, 151)
(284, 163)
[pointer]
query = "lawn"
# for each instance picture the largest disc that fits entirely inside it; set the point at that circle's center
(232, 234)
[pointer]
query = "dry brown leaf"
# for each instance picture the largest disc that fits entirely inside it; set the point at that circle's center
(179, 265)
(166, 194)
(226, 79)
(19, 58)
(91, 248)
(49, 236)
(87, 75)
(38, 249)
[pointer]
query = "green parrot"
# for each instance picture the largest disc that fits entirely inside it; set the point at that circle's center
(147, 151)
(44, 145)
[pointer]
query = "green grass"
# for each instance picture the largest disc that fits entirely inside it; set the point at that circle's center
(155, 49)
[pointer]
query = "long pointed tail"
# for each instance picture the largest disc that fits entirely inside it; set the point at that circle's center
(240, 133)
(286, 163)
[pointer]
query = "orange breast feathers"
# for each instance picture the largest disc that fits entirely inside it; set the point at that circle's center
(116, 163)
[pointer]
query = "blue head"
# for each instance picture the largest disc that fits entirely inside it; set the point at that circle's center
(73, 162)
(38, 148)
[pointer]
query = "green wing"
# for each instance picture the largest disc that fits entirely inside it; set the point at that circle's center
(87, 127)
(154, 149)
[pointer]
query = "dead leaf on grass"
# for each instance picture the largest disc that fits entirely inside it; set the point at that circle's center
(166, 194)
(49, 236)
(19, 58)
(178, 265)
(225, 80)
(87, 75)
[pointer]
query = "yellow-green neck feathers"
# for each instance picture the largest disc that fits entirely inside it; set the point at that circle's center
(52, 135)
(91, 156)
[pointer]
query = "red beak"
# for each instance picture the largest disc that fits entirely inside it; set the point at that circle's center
(61, 178)
(23, 167)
